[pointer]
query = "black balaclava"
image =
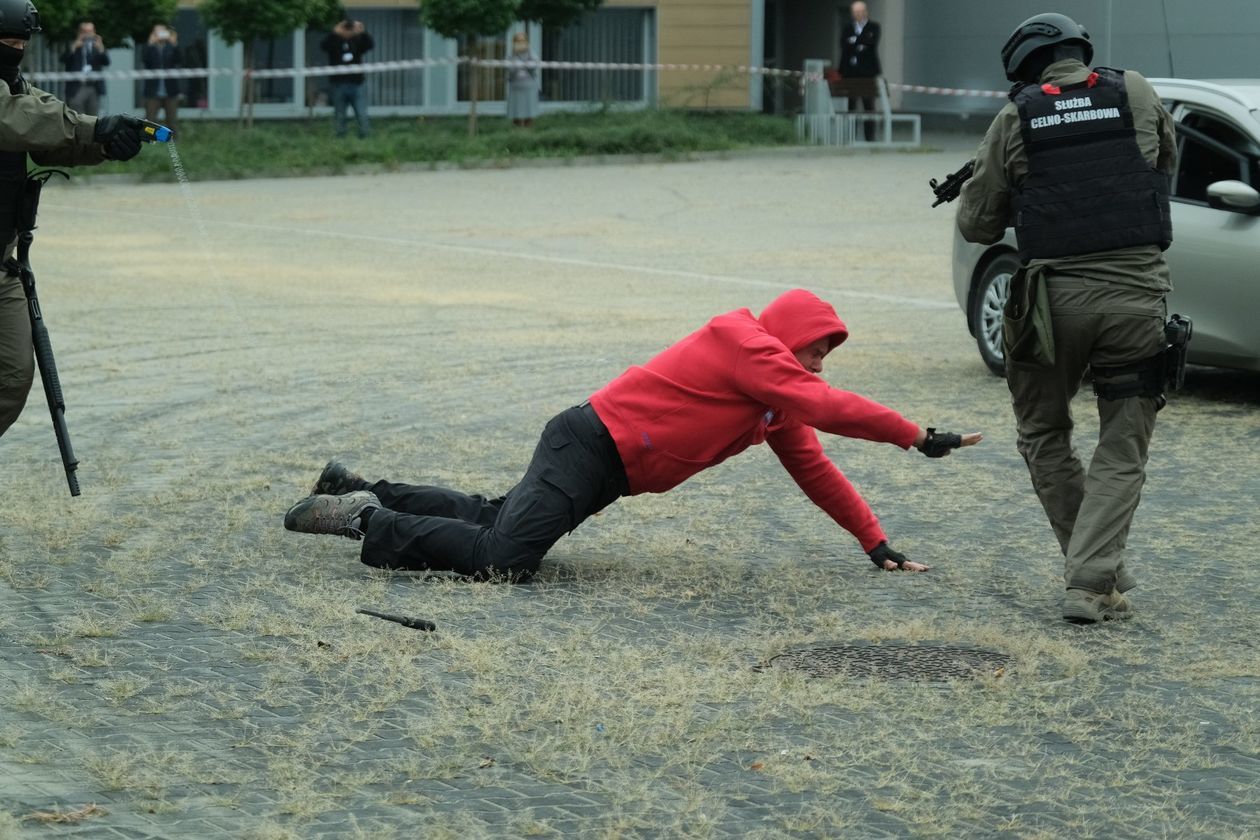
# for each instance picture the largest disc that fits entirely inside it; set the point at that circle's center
(10, 60)
(1032, 67)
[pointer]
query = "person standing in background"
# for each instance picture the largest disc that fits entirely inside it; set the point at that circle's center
(162, 53)
(522, 84)
(859, 59)
(346, 45)
(86, 55)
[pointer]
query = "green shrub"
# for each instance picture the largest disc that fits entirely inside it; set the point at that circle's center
(219, 150)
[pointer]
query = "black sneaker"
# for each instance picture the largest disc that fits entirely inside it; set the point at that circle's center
(337, 480)
(336, 515)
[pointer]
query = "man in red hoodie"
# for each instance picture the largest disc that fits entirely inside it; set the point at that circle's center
(738, 381)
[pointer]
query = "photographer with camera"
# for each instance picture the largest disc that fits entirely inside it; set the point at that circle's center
(345, 46)
(87, 55)
(161, 52)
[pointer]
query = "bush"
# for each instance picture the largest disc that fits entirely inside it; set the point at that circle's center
(218, 150)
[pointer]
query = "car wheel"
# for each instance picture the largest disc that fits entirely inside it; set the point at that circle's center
(987, 301)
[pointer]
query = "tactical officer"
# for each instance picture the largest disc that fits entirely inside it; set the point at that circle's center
(1079, 162)
(36, 123)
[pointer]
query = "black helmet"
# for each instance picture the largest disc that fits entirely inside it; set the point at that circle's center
(18, 19)
(1039, 31)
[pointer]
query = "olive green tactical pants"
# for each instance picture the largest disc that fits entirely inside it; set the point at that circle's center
(17, 359)
(1090, 511)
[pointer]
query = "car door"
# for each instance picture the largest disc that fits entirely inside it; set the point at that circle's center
(1215, 251)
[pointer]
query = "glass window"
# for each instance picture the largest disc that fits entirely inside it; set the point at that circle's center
(612, 35)
(193, 53)
(491, 81)
(1230, 136)
(274, 54)
(1202, 161)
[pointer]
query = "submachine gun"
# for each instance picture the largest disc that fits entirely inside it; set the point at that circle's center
(21, 265)
(949, 189)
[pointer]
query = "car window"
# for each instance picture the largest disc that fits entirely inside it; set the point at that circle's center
(1203, 160)
(1229, 136)
(1222, 130)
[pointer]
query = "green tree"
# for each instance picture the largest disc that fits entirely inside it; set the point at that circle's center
(248, 21)
(555, 14)
(116, 20)
(473, 19)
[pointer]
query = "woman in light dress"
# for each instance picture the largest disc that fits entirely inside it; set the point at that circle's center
(522, 84)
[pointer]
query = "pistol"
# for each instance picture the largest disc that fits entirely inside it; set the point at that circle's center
(1177, 333)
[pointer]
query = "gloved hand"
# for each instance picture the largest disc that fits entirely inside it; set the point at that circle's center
(883, 552)
(120, 134)
(939, 444)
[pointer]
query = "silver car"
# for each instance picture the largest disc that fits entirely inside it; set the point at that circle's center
(1215, 255)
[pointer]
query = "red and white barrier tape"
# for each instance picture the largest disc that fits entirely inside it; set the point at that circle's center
(413, 64)
(421, 63)
(944, 91)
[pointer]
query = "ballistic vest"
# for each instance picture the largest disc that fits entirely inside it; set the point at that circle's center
(12, 193)
(1088, 187)
(12, 184)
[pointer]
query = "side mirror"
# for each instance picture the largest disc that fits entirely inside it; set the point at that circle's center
(1233, 195)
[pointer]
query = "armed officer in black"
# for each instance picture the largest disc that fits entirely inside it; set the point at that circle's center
(1079, 162)
(37, 124)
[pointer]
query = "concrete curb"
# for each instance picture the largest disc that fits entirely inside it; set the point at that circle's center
(768, 152)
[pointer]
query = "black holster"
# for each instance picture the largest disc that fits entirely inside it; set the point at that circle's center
(1152, 376)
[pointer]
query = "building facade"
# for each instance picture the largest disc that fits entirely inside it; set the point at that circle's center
(714, 32)
(927, 42)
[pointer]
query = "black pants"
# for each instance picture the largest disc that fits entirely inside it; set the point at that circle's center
(575, 473)
(868, 106)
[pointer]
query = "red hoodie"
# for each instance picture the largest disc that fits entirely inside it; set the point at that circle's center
(735, 383)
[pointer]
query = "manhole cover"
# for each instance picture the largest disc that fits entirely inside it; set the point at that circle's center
(921, 662)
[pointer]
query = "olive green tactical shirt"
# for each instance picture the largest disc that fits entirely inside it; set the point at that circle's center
(984, 213)
(39, 123)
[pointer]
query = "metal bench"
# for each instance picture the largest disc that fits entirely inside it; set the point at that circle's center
(828, 122)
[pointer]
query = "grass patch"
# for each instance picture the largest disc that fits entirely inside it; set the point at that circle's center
(212, 663)
(224, 150)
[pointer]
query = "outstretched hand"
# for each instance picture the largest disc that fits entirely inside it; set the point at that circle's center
(936, 444)
(889, 559)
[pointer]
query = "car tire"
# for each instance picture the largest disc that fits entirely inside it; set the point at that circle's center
(988, 297)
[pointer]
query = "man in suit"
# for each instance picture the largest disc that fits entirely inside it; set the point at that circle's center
(859, 60)
(86, 55)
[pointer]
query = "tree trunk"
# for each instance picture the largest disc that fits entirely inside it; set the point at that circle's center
(250, 89)
(474, 75)
(253, 91)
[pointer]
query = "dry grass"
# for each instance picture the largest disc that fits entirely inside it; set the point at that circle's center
(67, 816)
(210, 663)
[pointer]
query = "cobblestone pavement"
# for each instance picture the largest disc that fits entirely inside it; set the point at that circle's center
(174, 657)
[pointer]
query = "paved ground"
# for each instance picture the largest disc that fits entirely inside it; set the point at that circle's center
(174, 657)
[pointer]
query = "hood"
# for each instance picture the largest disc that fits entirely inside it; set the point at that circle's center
(798, 318)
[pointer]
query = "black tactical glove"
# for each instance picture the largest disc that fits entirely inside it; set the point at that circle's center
(883, 552)
(938, 444)
(120, 134)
